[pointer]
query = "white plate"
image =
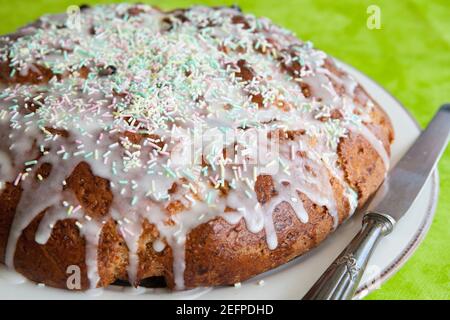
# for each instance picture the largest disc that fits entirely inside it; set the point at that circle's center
(292, 280)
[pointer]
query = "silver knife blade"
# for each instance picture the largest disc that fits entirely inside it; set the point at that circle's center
(405, 181)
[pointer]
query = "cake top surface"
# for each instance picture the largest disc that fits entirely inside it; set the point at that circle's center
(183, 112)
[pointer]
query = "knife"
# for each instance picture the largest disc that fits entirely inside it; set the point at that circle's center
(391, 201)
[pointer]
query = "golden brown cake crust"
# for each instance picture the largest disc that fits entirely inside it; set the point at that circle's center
(216, 252)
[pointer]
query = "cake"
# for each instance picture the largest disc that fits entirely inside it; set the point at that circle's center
(200, 146)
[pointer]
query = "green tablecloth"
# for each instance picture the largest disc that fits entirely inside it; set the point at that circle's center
(409, 55)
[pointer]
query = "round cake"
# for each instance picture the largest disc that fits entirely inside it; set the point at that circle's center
(199, 146)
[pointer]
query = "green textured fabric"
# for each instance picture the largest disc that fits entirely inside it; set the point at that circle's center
(409, 55)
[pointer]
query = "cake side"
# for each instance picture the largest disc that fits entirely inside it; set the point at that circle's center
(203, 229)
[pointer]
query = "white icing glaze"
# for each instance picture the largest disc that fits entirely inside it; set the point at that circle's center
(159, 245)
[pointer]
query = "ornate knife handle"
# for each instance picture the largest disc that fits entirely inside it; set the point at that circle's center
(341, 279)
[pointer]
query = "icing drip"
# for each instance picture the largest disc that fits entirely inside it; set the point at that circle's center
(375, 143)
(36, 198)
(89, 229)
(154, 104)
(91, 232)
(269, 228)
(159, 245)
(130, 227)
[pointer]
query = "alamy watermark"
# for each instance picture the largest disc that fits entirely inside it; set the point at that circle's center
(74, 17)
(374, 17)
(73, 281)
